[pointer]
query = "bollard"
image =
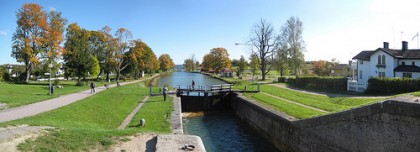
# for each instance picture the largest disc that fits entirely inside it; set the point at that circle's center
(258, 87)
(150, 90)
(142, 122)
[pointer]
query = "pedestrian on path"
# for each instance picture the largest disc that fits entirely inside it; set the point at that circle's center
(193, 84)
(164, 92)
(92, 87)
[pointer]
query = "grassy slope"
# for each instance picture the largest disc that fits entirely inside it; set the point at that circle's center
(289, 108)
(89, 122)
(21, 94)
(322, 102)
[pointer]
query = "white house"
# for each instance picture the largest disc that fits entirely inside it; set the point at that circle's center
(386, 62)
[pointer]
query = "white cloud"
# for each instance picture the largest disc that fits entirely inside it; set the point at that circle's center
(3, 33)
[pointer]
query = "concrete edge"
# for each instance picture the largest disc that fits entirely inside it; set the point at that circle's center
(176, 116)
(175, 143)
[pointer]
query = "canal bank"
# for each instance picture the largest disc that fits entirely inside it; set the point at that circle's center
(385, 126)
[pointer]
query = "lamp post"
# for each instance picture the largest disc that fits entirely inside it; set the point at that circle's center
(252, 65)
(50, 88)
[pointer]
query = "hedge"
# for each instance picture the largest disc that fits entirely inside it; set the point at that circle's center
(392, 85)
(323, 83)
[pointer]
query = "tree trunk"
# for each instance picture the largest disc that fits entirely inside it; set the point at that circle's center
(107, 76)
(263, 66)
(118, 75)
(28, 74)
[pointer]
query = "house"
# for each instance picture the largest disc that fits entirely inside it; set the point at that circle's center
(341, 70)
(226, 72)
(386, 62)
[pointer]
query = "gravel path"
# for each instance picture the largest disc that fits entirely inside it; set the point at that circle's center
(47, 105)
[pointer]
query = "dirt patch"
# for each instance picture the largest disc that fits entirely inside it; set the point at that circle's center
(139, 142)
(12, 136)
(3, 106)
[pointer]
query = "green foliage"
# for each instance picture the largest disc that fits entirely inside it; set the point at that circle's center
(95, 69)
(392, 85)
(325, 83)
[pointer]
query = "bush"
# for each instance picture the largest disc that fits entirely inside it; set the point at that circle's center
(327, 83)
(392, 85)
(56, 82)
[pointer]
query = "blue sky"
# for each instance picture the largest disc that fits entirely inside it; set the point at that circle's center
(332, 28)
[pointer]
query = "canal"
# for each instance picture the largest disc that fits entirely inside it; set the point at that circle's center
(219, 130)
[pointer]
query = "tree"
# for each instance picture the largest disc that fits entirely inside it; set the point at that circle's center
(189, 65)
(282, 61)
(292, 37)
(106, 56)
(235, 62)
(29, 38)
(207, 63)
(320, 67)
(166, 62)
(241, 65)
(123, 37)
(54, 35)
(255, 63)
(264, 43)
(221, 59)
(77, 58)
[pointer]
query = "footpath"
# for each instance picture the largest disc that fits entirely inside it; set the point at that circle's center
(51, 104)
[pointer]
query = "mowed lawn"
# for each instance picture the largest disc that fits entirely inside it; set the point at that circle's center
(92, 122)
(15, 95)
(330, 104)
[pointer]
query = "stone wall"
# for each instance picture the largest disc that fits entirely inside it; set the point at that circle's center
(384, 126)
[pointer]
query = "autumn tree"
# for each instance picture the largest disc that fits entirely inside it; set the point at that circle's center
(189, 65)
(264, 43)
(123, 37)
(207, 63)
(106, 55)
(166, 62)
(221, 59)
(38, 35)
(292, 37)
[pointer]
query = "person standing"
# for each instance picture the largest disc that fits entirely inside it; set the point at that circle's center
(193, 84)
(92, 87)
(164, 92)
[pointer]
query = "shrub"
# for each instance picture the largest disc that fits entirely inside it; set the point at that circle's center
(56, 82)
(327, 83)
(392, 85)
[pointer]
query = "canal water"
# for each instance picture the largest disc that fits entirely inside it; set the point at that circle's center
(219, 130)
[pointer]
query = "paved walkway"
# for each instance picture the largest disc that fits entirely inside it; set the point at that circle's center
(295, 103)
(131, 115)
(47, 105)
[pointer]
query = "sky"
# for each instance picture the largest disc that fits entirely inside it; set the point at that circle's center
(181, 28)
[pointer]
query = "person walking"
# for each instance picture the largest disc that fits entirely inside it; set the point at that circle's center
(164, 92)
(92, 87)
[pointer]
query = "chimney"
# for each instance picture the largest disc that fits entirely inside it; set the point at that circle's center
(404, 46)
(386, 45)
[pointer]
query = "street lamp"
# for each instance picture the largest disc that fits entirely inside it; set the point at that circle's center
(50, 88)
(252, 65)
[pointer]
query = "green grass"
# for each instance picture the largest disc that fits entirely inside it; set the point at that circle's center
(331, 104)
(15, 95)
(284, 106)
(90, 123)
(156, 112)
(416, 93)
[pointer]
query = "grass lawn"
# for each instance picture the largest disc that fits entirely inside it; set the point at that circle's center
(284, 106)
(416, 93)
(92, 122)
(15, 95)
(331, 104)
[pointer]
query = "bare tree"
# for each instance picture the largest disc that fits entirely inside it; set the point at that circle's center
(264, 43)
(292, 36)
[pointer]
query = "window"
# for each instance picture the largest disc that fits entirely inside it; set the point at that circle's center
(381, 74)
(413, 63)
(403, 63)
(383, 59)
(360, 74)
(361, 61)
(407, 75)
(379, 59)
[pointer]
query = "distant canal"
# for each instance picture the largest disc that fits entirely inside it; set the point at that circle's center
(220, 130)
